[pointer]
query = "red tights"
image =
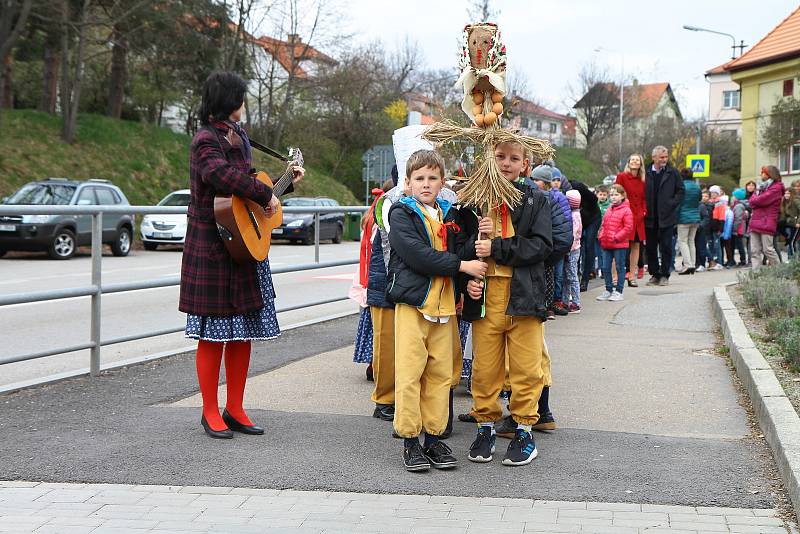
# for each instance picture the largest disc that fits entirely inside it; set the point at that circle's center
(237, 361)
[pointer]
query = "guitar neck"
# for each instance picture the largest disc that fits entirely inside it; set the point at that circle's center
(284, 181)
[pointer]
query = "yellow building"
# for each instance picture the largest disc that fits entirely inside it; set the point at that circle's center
(768, 72)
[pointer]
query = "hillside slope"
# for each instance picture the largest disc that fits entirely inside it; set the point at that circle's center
(145, 161)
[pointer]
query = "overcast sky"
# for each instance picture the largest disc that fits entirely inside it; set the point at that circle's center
(549, 40)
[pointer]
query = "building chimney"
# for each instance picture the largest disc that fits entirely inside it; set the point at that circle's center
(293, 38)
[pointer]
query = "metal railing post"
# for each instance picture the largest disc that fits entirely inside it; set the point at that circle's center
(97, 275)
(316, 237)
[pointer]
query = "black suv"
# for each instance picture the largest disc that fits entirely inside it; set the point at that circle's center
(60, 235)
(300, 226)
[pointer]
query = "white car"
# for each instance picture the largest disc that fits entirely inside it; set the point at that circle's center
(166, 228)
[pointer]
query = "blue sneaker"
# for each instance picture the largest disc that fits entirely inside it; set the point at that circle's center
(482, 448)
(522, 449)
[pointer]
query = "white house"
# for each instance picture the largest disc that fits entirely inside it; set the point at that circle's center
(724, 103)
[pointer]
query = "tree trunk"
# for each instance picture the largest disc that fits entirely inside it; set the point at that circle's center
(47, 102)
(119, 73)
(6, 84)
(70, 126)
(65, 89)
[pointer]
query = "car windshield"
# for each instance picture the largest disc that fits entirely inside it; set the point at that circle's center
(175, 199)
(299, 202)
(43, 195)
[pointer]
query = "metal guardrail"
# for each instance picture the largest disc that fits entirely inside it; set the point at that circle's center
(97, 289)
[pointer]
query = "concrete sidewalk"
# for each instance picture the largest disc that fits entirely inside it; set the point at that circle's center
(649, 421)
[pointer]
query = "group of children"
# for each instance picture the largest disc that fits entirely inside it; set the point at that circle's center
(425, 261)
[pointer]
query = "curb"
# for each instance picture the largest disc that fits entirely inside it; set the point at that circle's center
(776, 415)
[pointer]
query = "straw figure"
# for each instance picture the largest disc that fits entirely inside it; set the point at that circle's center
(483, 79)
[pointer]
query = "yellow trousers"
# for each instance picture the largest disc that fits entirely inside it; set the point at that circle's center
(423, 372)
(383, 354)
(458, 356)
(523, 339)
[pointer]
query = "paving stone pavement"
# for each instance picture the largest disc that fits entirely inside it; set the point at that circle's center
(117, 508)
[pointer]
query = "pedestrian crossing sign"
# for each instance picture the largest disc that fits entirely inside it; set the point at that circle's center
(699, 164)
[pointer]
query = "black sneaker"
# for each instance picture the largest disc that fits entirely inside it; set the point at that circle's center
(440, 455)
(545, 422)
(482, 448)
(507, 427)
(385, 412)
(467, 418)
(521, 450)
(414, 458)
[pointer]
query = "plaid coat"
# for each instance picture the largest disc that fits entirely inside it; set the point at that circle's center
(211, 282)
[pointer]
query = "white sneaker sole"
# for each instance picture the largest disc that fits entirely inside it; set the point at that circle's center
(526, 461)
(481, 459)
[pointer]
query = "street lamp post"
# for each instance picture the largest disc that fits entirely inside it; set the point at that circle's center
(741, 46)
(621, 94)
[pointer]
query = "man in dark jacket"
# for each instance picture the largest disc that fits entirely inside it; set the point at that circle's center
(664, 194)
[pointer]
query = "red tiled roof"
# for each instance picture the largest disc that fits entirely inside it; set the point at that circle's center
(782, 42)
(283, 51)
(719, 69)
(640, 99)
(520, 105)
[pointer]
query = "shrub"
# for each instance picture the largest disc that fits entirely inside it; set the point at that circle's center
(785, 332)
(772, 296)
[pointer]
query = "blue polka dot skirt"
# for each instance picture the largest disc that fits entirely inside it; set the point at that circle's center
(363, 348)
(259, 325)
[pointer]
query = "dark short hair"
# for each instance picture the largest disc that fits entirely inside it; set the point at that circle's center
(601, 189)
(686, 173)
(223, 93)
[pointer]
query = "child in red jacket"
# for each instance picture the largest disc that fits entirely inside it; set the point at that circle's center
(614, 232)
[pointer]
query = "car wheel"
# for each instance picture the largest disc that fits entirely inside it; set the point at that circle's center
(337, 238)
(63, 245)
(150, 246)
(308, 239)
(122, 245)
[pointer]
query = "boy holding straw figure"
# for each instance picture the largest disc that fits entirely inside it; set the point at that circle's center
(507, 308)
(422, 267)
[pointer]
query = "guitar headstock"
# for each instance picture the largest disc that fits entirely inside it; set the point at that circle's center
(296, 155)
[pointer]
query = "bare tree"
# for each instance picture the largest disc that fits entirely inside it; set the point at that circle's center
(12, 22)
(596, 102)
(481, 11)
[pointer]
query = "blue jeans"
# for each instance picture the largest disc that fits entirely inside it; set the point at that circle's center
(617, 255)
(714, 250)
(701, 247)
(558, 280)
(573, 282)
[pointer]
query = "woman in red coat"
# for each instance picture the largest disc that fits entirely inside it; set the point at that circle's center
(227, 304)
(632, 180)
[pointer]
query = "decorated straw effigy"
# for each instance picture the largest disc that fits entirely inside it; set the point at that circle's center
(483, 79)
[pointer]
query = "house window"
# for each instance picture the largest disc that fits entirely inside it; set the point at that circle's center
(524, 123)
(789, 160)
(553, 128)
(538, 126)
(788, 87)
(730, 99)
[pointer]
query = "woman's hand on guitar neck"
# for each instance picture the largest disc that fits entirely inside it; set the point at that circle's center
(298, 171)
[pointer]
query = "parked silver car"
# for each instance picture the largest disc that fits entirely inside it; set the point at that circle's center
(61, 235)
(166, 228)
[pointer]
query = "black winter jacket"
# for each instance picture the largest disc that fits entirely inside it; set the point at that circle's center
(562, 227)
(527, 252)
(670, 196)
(590, 209)
(413, 262)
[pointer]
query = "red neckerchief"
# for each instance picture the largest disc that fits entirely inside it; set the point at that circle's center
(365, 253)
(443, 232)
(503, 220)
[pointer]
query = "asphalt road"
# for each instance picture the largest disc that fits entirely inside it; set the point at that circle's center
(28, 328)
(647, 414)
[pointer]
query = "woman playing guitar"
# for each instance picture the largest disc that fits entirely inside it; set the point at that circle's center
(228, 304)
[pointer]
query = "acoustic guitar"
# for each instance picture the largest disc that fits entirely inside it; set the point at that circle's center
(243, 224)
